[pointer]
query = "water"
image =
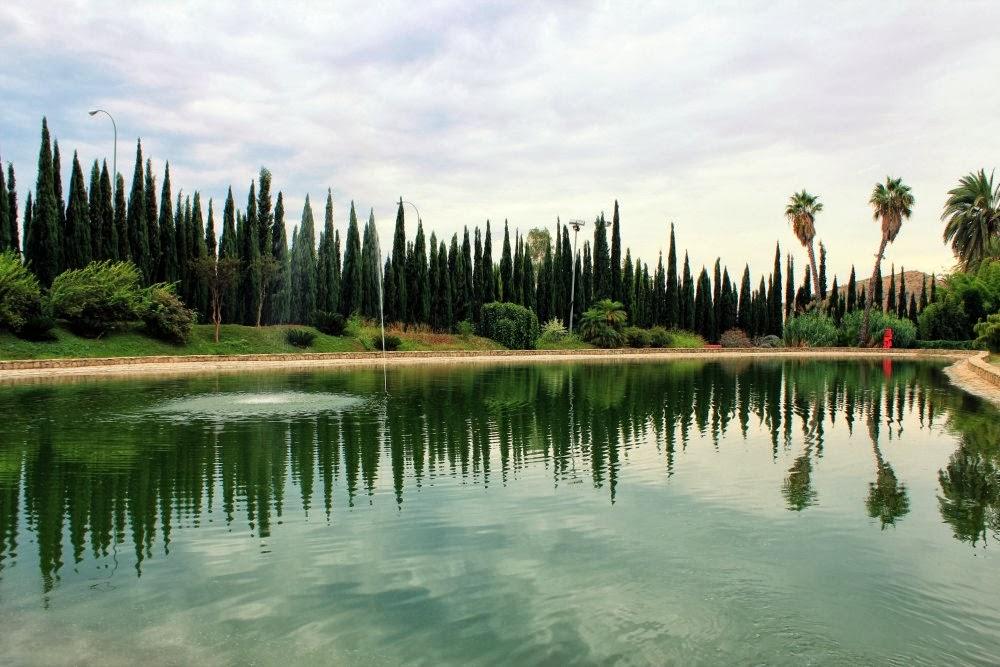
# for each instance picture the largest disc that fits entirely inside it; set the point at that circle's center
(781, 512)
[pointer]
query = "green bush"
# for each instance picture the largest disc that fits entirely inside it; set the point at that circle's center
(465, 329)
(553, 331)
(768, 341)
(945, 344)
(165, 315)
(660, 337)
(944, 320)
(636, 337)
(602, 324)
(332, 324)
(98, 297)
(988, 332)
(735, 338)
(20, 294)
(904, 333)
(392, 342)
(811, 330)
(300, 337)
(685, 339)
(513, 326)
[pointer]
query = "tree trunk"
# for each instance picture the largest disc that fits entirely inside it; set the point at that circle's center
(863, 339)
(812, 267)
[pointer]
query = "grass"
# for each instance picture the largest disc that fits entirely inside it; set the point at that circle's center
(995, 359)
(568, 342)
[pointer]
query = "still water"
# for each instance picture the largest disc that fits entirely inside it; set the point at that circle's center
(780, 512)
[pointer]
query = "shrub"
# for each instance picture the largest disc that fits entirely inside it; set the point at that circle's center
(332, 324)
(988, 332)
(165, 315)
(686, 339)
(20, 294)
(98, 297)
(513, 326)
(300, 337)
(735, 338)
(465, 329)
(943, 320)
(768, 341)
(392, 342)
(602, 324)
(945, 344)
(904, 333)
(660, 337)
(636, 337)
(811, 330)
(553, 331)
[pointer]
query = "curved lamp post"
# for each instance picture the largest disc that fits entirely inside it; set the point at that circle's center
(114, 159)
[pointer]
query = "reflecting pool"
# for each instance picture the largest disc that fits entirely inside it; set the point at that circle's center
(781, 512)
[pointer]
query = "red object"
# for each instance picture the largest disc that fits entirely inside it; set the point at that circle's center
(887, 339)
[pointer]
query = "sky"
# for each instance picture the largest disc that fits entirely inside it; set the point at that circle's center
(701, 114)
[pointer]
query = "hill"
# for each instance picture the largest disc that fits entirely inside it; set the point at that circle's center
(914, 284)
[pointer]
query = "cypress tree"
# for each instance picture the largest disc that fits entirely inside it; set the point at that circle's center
(822, 271)
(389, 290)
(228, 250)
(506, 267)
(304, 266)
(877, 300)
(457, 274)
(912, 311)
(12, 204)
(862, 295)
(628, 287)
(400, 293)
(923, 293)
(852, 292)
(421, 300)
(265, 214)
(527, 279)
(467, 278)
(76, 239)
(774, 296)
(789, 286)
(350, 280)
(516, 283)
(326, 292)
(804, 295)
(42, 247)
(638, 313)
(249, 255)
(543, 290)
(588, 276)
(109, 233)
(283, 281)
(198, 251)
(183, 253)
(478, 279)
(901, 303)
(890, 306)
(27, 223)
(370, 270)
(211, 245)
(602, 262)
(7, 235)
(672, 288)
(135, 218)
(616, 257)
(120, 220)
(703, 307)
(744, 316)
(833, 307)
(659, 311)
(567, 274)
(432, 278)
(60, 201)
(94, 213)
(152, 228)
(169, 267)
(579, 300)
(728, 311)
(933, 288)
(489, 283)
(716, 299)
(762, 324)
(687, 297)
(442, 299)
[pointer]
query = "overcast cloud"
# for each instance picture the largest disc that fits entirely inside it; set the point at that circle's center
(708, 117)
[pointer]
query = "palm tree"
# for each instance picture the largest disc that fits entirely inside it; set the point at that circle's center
(891, 203)
(801, 213)
(972, 219)
(602, 324)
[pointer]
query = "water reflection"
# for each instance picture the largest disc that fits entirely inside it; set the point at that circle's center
(98, 468)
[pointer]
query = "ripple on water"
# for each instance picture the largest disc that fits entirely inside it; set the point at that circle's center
(248, 405)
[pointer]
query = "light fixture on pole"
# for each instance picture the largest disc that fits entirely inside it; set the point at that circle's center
(576, 225)
(114, 158)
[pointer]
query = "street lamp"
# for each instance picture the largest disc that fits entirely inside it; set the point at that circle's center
(576, 225)
(114, 159)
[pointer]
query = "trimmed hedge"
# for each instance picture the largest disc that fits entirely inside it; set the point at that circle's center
(513, 326)
(945, 344)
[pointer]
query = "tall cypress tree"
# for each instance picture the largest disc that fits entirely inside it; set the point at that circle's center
(703, 307)
(727, 312)
(543, 289)
(466, 277)
(12, 205)
(304, 266)
(588, 275)
(568, 263)
(744, 316)
(350, 282)
(121, 220)
(249, 255)
(182, 249)
(527, 278)
(933, 288)
(211, 244)
(775, 311)
(673, 290)
(229, 250)
(789, 286)
(109, 232)
(628, 287)
(169, 268)
(60, 201)
(833, 307)
(477, 276)
(76, 240)
(877, 300)
(687, 297)
(822, 271)
(94, 213)
(432, 278)
(602, 261)
(659, 314)
(265, 214)
(7, 234)
(279, 303)
(489, 284)
(370, 270)
(852, 292)
(923, 293)
(42, 248)
(506, 267)
(616, 256)
(516, 284)
(421, 299)
(890, 306)
(27, 223)
(442, 316)
(401, 293)
(901, 302)
(716, 299)
(579, 296)
(326, 293)
(135, 220)
(152, 228)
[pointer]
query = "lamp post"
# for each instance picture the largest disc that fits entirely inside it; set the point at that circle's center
(576, 225)
(114, 158)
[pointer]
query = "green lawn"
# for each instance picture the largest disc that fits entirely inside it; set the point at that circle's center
(564, 343)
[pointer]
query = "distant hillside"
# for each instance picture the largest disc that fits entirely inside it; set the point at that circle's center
(914, 283)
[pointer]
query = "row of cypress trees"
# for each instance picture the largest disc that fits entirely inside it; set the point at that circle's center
(428, 281)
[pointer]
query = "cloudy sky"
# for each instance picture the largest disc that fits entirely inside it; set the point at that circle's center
(706, 116)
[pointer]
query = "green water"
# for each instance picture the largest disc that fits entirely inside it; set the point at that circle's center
(641, 513)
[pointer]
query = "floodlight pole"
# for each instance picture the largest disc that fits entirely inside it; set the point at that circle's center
(576, 225)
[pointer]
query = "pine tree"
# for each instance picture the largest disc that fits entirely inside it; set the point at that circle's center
(135, 219)
(673, 290)
(94, 213)
(370, 270)
(616, 256)
(852, 292)
(42, 247)
(506, 267)
(687, 297)
(152, 227)
(822, 271)
(744, 317)
(304, 266)
(169, 268)
(76, 239)
(421, 299)
(350, 281)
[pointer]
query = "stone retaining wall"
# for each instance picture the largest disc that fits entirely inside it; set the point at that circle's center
(980, 365)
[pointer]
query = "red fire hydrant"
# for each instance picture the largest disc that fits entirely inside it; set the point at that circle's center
(887, 338)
